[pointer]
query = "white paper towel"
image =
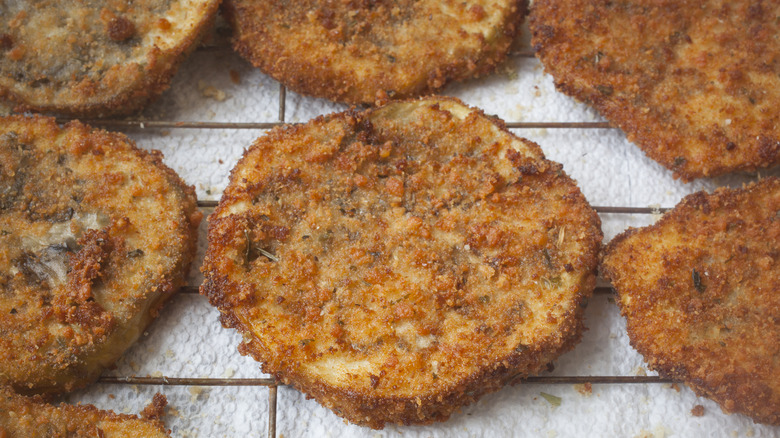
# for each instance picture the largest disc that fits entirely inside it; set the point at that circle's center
(187, 340)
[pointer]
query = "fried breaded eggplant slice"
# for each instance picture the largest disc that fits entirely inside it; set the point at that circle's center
(95, 58)
(700, 290)
(364, 51)
(31, 417)
(694, 84)
(397, 264)
(95, 234)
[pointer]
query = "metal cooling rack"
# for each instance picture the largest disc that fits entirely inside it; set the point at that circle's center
(272, 384)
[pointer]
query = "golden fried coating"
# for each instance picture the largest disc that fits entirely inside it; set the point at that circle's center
(95, 58)
(695, 84)
(95, 234)
(398, 263)
(31, 417)
(701, 292)
(361, 51)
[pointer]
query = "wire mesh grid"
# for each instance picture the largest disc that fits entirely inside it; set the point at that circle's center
(270, 383)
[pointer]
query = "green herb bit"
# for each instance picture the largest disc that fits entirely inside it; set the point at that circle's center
(606, 90)
(697, 281)
(484, 299)
(552, 282)
(547, 258)
(305, 342)
(552, 399)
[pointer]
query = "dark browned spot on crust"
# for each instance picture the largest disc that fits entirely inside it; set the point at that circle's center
(367, 51)
(699, 290)
(83, 268)
(398, 263)
(695, 85)
(156, 409)
(120, 29)
(6, 41)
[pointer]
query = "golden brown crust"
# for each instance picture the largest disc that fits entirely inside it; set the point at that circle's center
(31, 417)
(694, 84)
(398, 263)
(95, 234)
(95, 58)
(360, 52)
(701, 292)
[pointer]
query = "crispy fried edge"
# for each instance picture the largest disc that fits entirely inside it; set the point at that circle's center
(311, 79)
(156, 78)
(365, 409)
(659, 363)
(630, 119)
(151, 414)
(191, 216)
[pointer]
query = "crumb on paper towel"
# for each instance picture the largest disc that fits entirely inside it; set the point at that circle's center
(207, 90)
(552, 399)
(697, 411)
(196, 391)
(656, 212)
(173, 412)
(585, 389)
(659, 431)
(640, 371)
(229, 372)
(552, 433)
(510, 71)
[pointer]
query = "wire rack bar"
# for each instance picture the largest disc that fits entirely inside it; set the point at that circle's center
(600, 290)
(185, 381)
(272, 383)
(169, 124)
(226, 46)
(272, 411)
(208, 203)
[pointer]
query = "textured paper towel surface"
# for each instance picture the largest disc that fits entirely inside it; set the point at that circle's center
(187, 340)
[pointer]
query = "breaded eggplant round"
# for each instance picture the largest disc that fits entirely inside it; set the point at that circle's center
(95, 58)
(399, 263)
(95, 235)
(694, 84)
(362, 51)
(32, 417)
(700, 290)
